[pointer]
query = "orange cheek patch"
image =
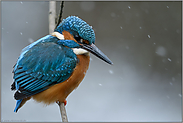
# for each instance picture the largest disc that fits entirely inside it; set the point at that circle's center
(68, 36)
(85, 42)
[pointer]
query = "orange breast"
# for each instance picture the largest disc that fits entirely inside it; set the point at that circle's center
(59, 92)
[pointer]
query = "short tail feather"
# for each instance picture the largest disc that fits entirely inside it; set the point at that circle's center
(17, 105)
(20, 103)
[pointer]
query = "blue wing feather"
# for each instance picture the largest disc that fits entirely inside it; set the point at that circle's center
(41, 65)
(28, 80)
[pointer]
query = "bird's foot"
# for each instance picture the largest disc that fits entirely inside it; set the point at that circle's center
(65, 102)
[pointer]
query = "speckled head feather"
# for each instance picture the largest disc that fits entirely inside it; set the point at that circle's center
(74, 25)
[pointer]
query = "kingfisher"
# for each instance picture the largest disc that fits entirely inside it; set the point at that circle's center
(49, 69)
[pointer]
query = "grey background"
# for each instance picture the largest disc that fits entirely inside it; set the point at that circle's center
(143, 39)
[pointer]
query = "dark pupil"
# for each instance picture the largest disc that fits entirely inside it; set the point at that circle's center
(77, 37)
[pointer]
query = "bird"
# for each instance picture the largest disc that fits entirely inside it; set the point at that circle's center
(49, 69)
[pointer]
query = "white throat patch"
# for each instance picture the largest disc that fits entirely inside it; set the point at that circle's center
(80, 51)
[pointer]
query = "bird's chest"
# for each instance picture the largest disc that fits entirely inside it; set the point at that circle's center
(79, 72)
(59, 92)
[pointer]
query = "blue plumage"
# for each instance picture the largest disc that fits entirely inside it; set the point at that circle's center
(74, 25)
(42, 64)
(69, 43)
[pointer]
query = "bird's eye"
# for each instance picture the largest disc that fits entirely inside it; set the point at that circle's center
(78, 38)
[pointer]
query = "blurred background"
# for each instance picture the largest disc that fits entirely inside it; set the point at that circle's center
(143, 39)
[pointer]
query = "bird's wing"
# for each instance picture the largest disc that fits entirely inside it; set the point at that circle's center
(42, 65)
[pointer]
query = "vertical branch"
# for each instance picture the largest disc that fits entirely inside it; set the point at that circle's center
(52, 17)
(63, 112)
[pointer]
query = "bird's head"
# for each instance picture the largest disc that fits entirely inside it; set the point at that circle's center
(75, 33)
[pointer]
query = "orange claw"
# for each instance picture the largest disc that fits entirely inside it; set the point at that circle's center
(65, 102)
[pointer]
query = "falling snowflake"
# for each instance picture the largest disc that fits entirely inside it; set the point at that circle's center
(148, 36)
(100, 84)
(111, 72)
(169, 59)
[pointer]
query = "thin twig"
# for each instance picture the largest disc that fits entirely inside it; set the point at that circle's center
(52, 17)
(63, 112)
(60, 14)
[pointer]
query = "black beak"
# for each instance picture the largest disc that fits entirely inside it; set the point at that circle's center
(94, 50)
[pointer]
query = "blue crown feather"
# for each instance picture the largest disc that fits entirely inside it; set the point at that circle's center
(74, 24)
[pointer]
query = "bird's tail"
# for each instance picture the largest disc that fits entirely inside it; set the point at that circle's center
(17, 105)
(20, 103)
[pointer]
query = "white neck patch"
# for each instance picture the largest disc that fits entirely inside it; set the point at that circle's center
(58, 35)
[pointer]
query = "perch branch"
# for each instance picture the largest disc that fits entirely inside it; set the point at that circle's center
(63, 112)
(52, 17)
